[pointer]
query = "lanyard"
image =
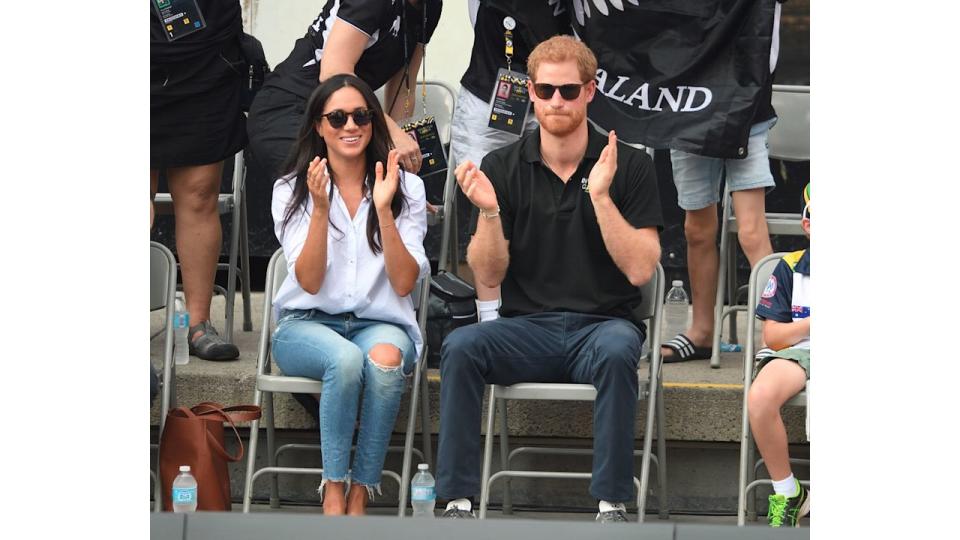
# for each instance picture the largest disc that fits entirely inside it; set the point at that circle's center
(508, 25)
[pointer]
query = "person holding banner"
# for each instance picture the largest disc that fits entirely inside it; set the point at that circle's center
(567, 222)
(351, 223)
(505, 31)
(380, 42)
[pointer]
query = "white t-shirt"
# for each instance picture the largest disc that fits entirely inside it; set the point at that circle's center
(356, 280)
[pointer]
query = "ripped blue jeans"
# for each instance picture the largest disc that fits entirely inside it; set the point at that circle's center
(336, 350)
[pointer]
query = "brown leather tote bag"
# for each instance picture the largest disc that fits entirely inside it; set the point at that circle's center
(194, 437)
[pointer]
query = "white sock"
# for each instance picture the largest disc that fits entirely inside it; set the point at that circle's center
(786, 487)
(463, 504)
(608, 506)
(487, 310)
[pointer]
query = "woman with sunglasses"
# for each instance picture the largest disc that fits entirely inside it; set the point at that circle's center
(380, 42)
(351, 223)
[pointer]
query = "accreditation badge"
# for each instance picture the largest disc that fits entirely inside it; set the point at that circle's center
(179, 17)
(509, 102)
(427, 135)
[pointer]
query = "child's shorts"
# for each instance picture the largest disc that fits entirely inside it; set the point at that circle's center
(798, 355)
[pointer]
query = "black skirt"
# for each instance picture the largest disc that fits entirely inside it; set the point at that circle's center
(195, 113)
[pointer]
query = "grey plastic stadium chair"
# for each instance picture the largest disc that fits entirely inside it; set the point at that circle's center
(267, 383)
(163, 288)
(748, 467)
(651, 389)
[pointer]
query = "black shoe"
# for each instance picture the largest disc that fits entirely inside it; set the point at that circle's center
(209, 345)
(455, 512)
(617, 515)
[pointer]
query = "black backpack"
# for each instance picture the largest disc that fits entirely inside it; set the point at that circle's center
(452, 305)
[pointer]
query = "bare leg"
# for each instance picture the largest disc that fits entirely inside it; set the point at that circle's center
(700, 228)
(357, 500)
(334, 501)
(750, 208)
(195, 191)
(777, 382)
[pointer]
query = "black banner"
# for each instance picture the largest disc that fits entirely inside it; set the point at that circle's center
(679, 74)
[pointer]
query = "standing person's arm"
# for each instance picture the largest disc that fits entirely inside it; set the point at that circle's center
(396, 94)
(488, 253)
(635, 251)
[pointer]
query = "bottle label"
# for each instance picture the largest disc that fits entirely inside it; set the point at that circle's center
(183, 495)
(423, 493)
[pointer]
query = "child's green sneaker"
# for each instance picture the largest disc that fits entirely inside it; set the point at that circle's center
(787, 511)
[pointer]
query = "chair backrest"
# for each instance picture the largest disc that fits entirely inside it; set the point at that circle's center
(759, 276)
(441, 101)
(790, 138)
(758, 279)
(163, 276)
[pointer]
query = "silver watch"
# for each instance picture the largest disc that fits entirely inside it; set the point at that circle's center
(490, 215)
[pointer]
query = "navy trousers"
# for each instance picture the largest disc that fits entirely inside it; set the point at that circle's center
(544, 347)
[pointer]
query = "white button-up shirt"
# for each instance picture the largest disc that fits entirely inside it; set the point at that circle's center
(356, 280)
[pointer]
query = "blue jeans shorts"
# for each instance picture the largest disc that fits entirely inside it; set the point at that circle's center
(698, 177)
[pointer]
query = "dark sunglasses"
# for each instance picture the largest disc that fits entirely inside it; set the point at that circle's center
(338, 118)
(567, 91)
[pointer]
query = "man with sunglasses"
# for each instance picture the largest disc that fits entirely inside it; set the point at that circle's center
(566, 223)
(505, 31)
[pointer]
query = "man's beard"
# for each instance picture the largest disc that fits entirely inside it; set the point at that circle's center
(559, 124)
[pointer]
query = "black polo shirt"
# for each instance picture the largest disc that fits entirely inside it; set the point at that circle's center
(558, 261)
(388, 24)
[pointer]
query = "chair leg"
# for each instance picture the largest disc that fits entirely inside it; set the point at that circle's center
(745, 461)
(504, 453)
(721, 278)
(662, 452)
(408, 443)
(245, 261)
(231, 296)
(732, 287)
(487, 453)
(251, 461)
(271, 451)
(426, 423)
(652, 397)
(751, 476)
(157, 500)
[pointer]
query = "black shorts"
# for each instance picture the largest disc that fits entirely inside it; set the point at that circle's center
(195, 114)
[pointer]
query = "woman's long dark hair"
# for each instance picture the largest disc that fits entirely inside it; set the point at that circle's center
(310, 144)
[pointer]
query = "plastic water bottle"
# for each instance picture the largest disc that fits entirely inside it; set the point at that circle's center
(675, 311)
(181, 326)
(184, 491)
(423, 492)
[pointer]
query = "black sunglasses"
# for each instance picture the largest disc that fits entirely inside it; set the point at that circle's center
(567, 91)
(338, 118)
